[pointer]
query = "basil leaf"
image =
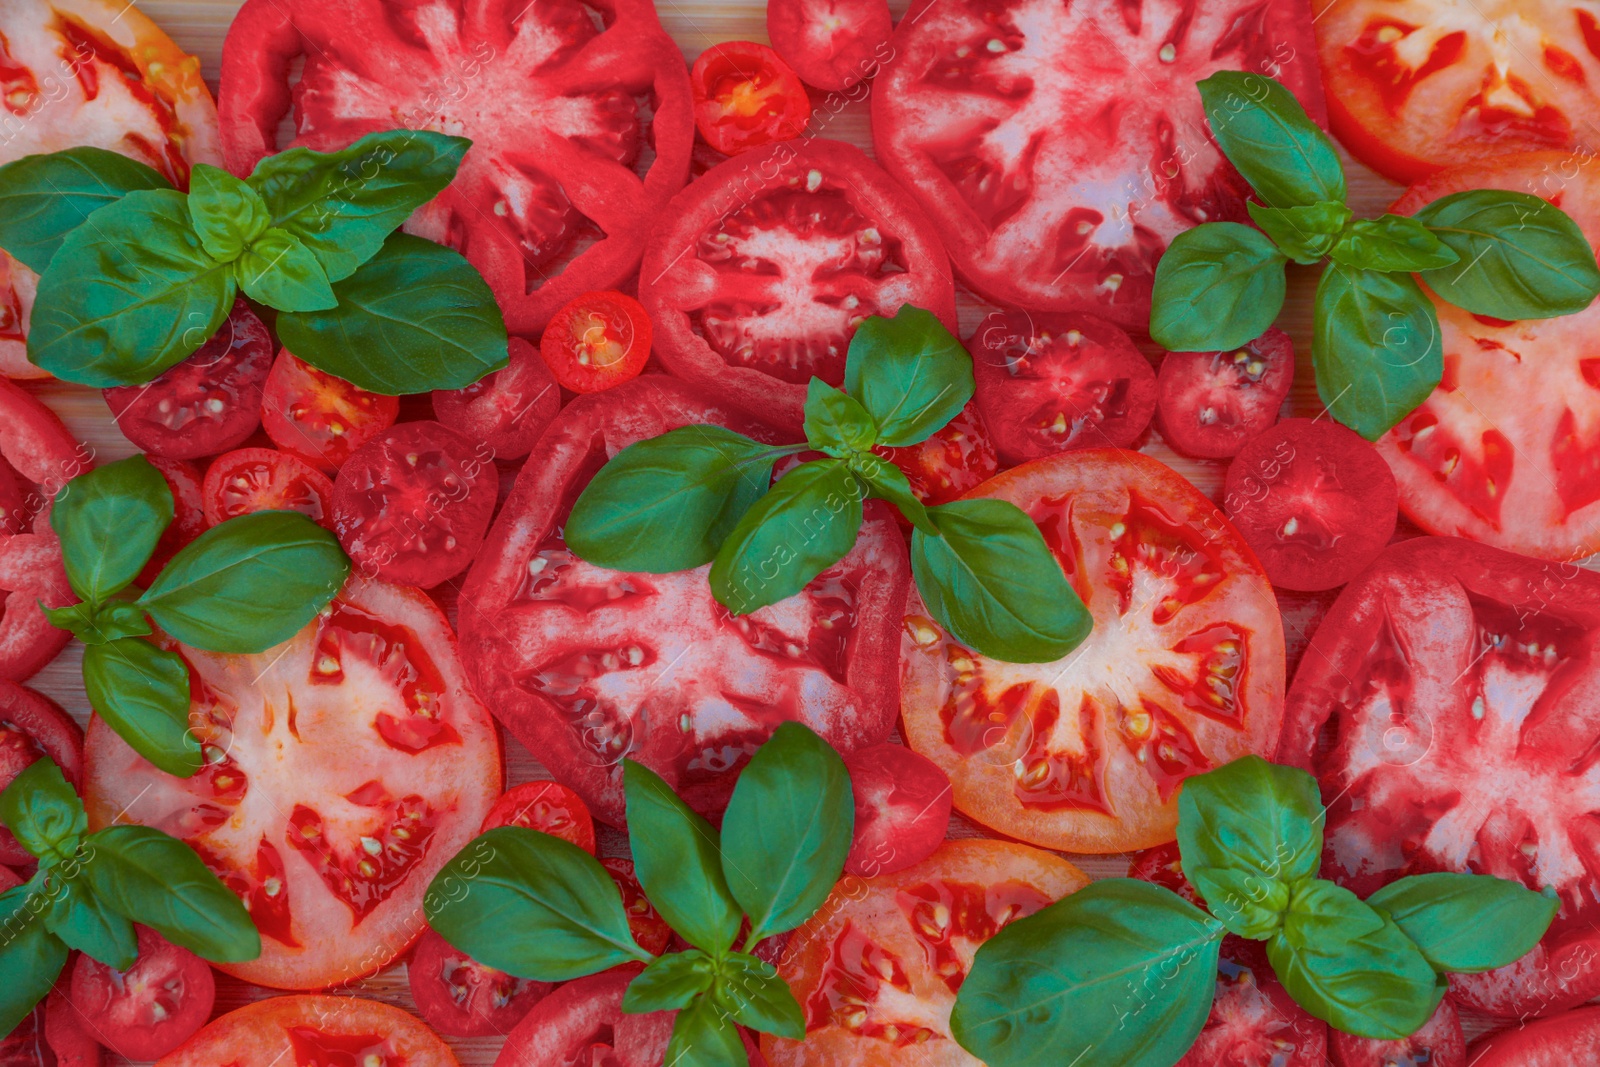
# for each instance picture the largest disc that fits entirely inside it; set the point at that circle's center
(342, 205)
(677, 860)
(31, 957)
(836, 423)
(531, 905)
(84, 923)
(142, 692)
(159, 882)
(669, 983)
(750, 990)
(228, 214)
(991, 581)
(1350, 966)
(280, 272)
(885, 481)
(1375, 348)
(909, 373)
(787, 830)
(1521, 257)
(248, 584)
(1120, 972)
(109, 521)
(101, 625)
(1248, 903)
(1467, 923)
(1217, 287)
(1389, 243)
(43, 198)
(128, 294)
(704, 1036)
(1252, 816)
(665, 504)
(1305, 233)
(1270, 139)
(44, 812)
(413, 318)
(805, 524)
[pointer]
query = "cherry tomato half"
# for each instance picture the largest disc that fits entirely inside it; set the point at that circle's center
(154, 1006)
(264, 479)
(597, 341)
(548, 807)
(459, 996)
(746, 97)
(319, 417)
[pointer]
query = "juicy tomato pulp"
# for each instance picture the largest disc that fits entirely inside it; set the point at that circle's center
(459, 996)
(597, 341)
(832, 44)
(746, 97)
(263, 479)
(902, 809)
(582, 1024)
(1183, 671)
(31, 725)
(957, 459)
(507, 410)
(150, 1009)
(309, 1031)
(1208, 404)
(549, 807)
(319, 418)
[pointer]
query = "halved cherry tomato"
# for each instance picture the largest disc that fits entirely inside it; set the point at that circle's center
(548, 807)
(902, 803)
(1565, 1040)
(188, 513)
(644, 922)
(31, 725)
(1208, 404)
(582, 1023)
(832, 44)
(458, 996)
(318, 417)
(506, 410)
(309, 1031)
(597, 341)
(1438, 1044)
(264, 479)
(955, 460)
(154, 1006)
(746, 97)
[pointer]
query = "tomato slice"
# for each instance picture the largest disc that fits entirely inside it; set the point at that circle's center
(263, 479)
(902, 803)
(188, 514)
(876, 970)
(318, 417)
(1050, 383)
(506, 410)
(1438, 1044)
(585, 665)
(31, 725)
(311, 1031)
(582, 1023)
(763, 268)
(154, 1006)
(209, 403)
(1569, 1038)
(1253, 1021)
(30, 573)
(458, 996)
(53, 1035)
(954, 461)
(644, 922)
(746, 97)
(36, 444)
(550, 808)
(332, 855)
(597, 341)
(1208, 404)
(1183, 671)
(832, 44)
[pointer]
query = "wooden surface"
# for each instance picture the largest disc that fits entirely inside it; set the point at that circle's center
(199, 27)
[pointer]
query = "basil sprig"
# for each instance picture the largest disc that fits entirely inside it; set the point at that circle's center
(700, 494)
(534, 906)
(1127, 969)
(91, 888)
(243, 586)
(1376, 345)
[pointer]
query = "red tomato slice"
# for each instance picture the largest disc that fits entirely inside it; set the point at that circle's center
(1208, 404)
(36, 444)
(586, 665)
(458, 996)
(763, 268)
(1253, 1021)
(832, 44)
(1566, 1040)
(308, 1031)
(1452, 680)
(1504, 451)
(506, 410)
(188, 514)
(582, 1023)
(1182, 673)
(1058, 182)
(31, 725)
(53, 1035)
(30, 572)
(154, 1006)
(644, 922)
(550, 808)
(318, 417)
(876, 970)
(902, 805)
(597, 341)
(1051, 383)
(550, 202)
(746, 97)
(263, 479)
(951, 462)
(1438, 1044)
(209, 403)
(332, 855)
(412, 505)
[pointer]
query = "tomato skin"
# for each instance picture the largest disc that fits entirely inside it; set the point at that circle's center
(507, 410)
(1208, 404)
(582, 1022)
(188, 514)
(32, 725)
(1571, 1038)
(460, 997)
(1438, 1044)
(831, 44)
(902, 803)
(597, 341)
(313, 1031)
(150, 1009)
(548, 807)
(247, 480)
(320, 418)
(746, 97)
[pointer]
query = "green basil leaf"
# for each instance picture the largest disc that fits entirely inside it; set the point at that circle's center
(248, 584)
(1305, 233)
(159, 882)
(117, 619)
(1375, 348)
(128, 294)
(1520, 257)
(43, 198)
(1248, 903)
(885, 481)
(1120, 972)
(228, 214)
(703, 1035)
(751, 991)
(909, 373)
(109, 521)
(83, 922)
(787, 830)
(805, 524)
(1467, 923)
(343, 204)
(1351, 966)
(1217, 287)
(1270, 139)
(280, 272)
(669, 983)
(413, 318)
(991, 581)
(1390, 243)
(531, 905)
(44, 812)
(1253, 816)
(31, 957)
(78, 619)
(677, 859)
(667, 503)
(142, 692)
(836, 423)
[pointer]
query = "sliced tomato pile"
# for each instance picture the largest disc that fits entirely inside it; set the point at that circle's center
(461, 997)
(745, 96)
(1208, 404)
(506, 410)
(31, 725)
(955, 460)
(1438, 1044)
(1183, 671)
(310, 1031)
(582, 1023)
(320, 418)
(264, 479)
(331, 855)
(145, 1012)
(832, 44)
(764, 267)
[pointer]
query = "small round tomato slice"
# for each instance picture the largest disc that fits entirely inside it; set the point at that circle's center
(832, 44)
(264, 479)
(1183, 671)
(154, 1006)
(506, 410)
(644, 922)
(1208, 404)
(311, 1031)
(31, 725)
(318, 417)
(549, 807)
(902, 803)
(955, 460)
(1438, 1044)
(209, 403)
(188, 514)
(1570, 1038)
(1050, 383)
(458, 996)
(597, 341)
(582, 1023)
(746, 97)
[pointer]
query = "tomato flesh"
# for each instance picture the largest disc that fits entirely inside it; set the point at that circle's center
(320, 418)
(746, 97)
(150, 1009)
(506, 410)
(313, 1031)
(832, 44)
(902, 808)
(1253, 1021)
(1438, 1044)
(52, 1035)
(954, 461)
(31, 725)
(644, 922)
(582, 1024)
(263, 479)
(461, 997)
(597, 341)
(1208, 404)
(549, 807)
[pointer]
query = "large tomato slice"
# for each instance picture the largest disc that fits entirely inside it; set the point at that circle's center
(1507, 449)
(1446, 706)
(582, 1024)
(877, 969)
(1062, 146)
(344, 768)
(308, 1031)
(560, 99)
(587, 665)
(763, 268)
(1182, 673)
